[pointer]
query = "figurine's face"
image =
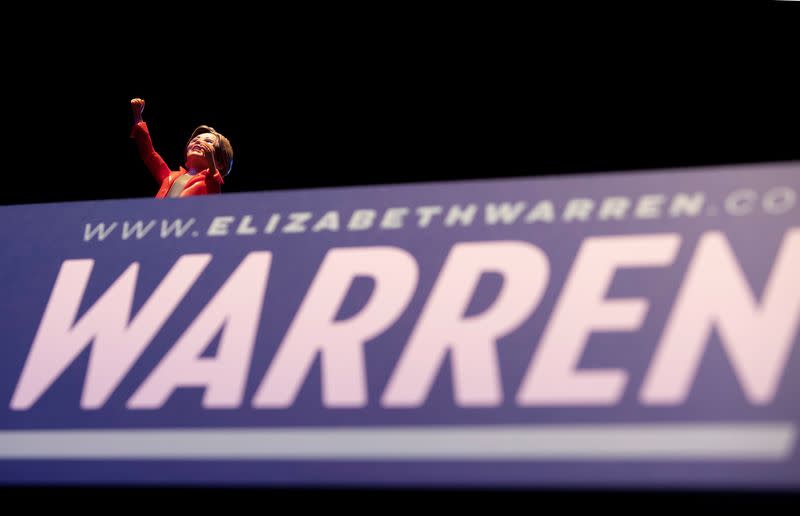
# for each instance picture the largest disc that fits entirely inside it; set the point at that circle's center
(195, 152)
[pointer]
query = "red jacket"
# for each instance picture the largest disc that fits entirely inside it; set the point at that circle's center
(202, 183)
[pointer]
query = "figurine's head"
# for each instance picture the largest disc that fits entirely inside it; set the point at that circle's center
(223, 152)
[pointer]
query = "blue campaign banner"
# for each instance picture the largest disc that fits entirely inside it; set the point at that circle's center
(609, 330)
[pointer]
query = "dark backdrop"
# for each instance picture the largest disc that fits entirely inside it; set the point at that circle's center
(321, 105)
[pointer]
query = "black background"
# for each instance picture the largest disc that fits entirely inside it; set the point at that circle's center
(330, 98)
(317, 99)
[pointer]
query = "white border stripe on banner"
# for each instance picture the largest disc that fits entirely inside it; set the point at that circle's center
(663, 442)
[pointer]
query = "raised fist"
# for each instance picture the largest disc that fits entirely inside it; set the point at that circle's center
(137, 105)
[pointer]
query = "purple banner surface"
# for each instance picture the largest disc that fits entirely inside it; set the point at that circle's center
(610, 330)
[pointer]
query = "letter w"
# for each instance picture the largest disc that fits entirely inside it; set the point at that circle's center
(118, 339)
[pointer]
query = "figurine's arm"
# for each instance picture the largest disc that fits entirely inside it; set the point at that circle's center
(198, 188)
(155, 164)
(208, 186)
